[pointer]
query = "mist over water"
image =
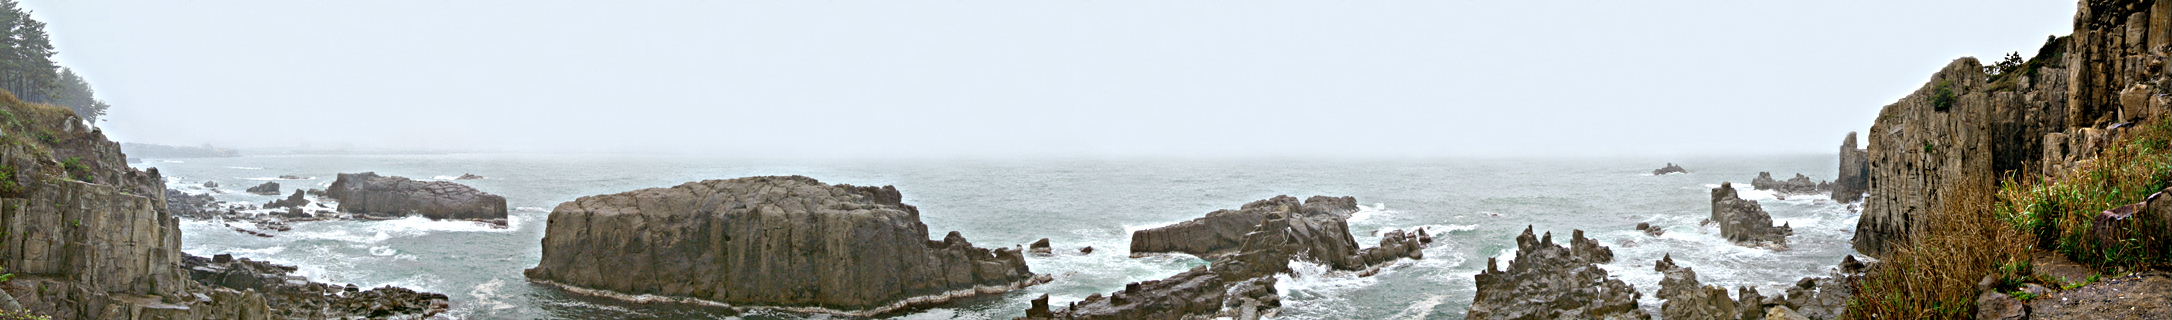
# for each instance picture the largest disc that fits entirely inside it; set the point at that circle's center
(1474, 207)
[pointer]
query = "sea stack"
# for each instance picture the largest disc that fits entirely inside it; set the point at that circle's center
(1744, 221)
(770, 241)
(369, 193)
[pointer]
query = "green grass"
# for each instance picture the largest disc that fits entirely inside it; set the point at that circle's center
(77, 169)
(1942, 96)
(2061, 209)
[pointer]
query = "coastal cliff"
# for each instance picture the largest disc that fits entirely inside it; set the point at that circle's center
(790, 242)
(2017, 120)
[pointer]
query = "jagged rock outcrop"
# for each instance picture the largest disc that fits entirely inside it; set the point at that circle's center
(1815, 297)
(1800, 184)
(211, 184)
(295, 297)
(1854, 176)
(2079, 92)
(769, 241)
(1548, 281)
(1240, 283)
(1319, 224)
(1670, 168)
(183, 204)
(292, 201)
(268, 188)
(369, 193)
(1745, 222)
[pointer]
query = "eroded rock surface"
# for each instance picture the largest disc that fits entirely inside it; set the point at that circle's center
(770, 241)
(1854, 176)
(1800, 184)
(1810, 298)
(295, 297)
(1548, 281)
(1240, 283)
(268, 188)
(369, 193)
(1745, 222)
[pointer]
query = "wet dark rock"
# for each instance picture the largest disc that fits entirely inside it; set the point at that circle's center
(1744, 222)
(1669, 169)
(1650, 230)
(1041, 248)
(292, 201)
(268, 188)
(295, 297)
(1240, 282)
(187, 205)
(1320, 226)
(468, 176)
(290, 177)
(1798, 185)
(1548, 281)
(790, 241)
(211, 184)
(369, 193)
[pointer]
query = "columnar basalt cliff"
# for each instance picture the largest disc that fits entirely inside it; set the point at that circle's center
(1854, 176)
(369, 193)
(1240, 283)
(790, 242)
(1965, 124)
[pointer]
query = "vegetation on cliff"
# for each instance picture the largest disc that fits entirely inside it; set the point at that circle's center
(28, 70)
(2061, 210)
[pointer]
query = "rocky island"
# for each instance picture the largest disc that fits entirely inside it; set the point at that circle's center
(1745, 222)
(1248, 246)
(785, 242)
(373, 195)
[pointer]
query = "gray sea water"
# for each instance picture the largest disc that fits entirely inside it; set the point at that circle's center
(1475, 207)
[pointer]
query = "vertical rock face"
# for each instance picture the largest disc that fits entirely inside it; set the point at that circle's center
(368, 192)
(1548, 281)
(88, 237)
(778, 241)
(1745, 222)
(2073, 97)
(1854, 176)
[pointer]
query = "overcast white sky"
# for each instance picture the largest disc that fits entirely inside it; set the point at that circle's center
(1025, 78)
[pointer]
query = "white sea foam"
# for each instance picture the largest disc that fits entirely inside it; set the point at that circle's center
(1423, 308)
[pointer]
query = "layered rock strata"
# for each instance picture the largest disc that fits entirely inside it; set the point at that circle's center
(372, 194)
(788, 242)
(1548, 281)
(1745, 222)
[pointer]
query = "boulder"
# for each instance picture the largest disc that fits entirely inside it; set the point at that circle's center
(370, 193)
(1548, 281)
(211, 184)
(268, 188)
(780, 241)
(1745, 222)
(1669, 169)
(1650, 230)
(1041, 248)
(468, 176)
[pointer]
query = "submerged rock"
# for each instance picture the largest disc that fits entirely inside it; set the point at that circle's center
(1548, 281)
(1669, 169)
(370, 193)
(1041, 248)
(1650, 230)
(211, 184)
(268, 188)
(769, 241)
(468, 176)
(1745, 222)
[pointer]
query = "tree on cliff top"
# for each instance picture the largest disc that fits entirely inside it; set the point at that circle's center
(28, 71)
